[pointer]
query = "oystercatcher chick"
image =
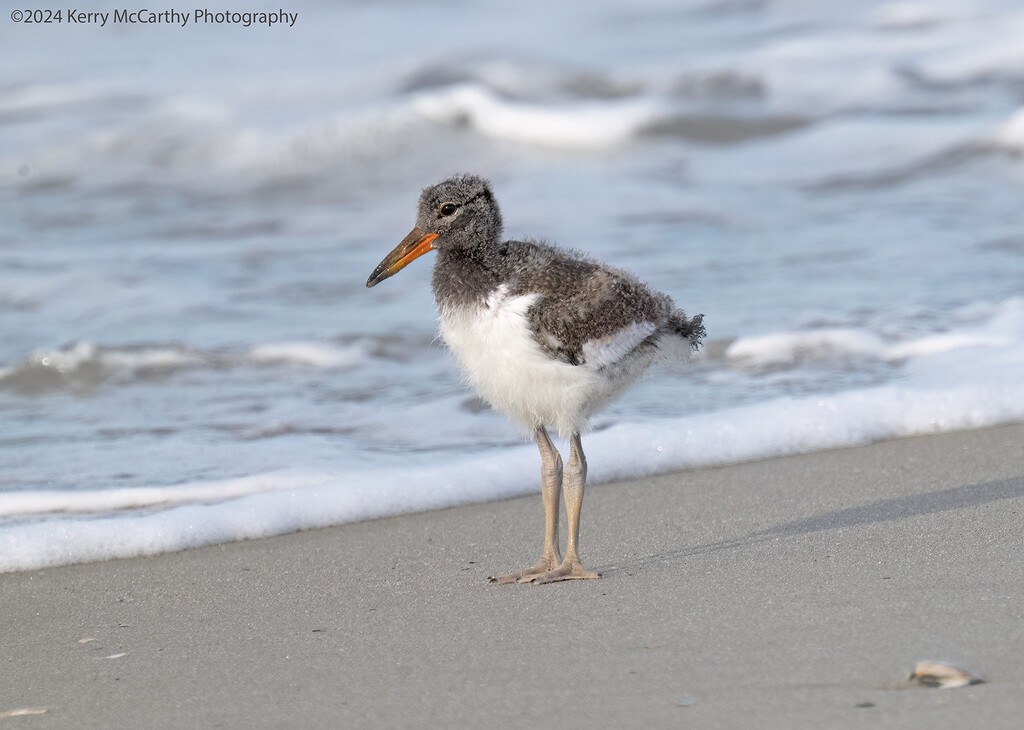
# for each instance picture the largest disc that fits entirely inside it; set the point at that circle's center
(545, 335)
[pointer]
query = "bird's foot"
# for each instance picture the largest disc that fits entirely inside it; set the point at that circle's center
(545, 565)
(568, 570)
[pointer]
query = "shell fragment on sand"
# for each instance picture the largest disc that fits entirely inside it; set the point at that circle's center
(939, 674)
(22, 712)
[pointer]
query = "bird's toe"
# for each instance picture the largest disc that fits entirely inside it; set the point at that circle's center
(566, 571)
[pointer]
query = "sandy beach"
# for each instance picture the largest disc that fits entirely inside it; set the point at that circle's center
(296, 483)
(789, 593)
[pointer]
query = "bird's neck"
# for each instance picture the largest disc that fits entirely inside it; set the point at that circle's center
(466, 276)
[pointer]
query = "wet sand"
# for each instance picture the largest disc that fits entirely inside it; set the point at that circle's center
(788, 593)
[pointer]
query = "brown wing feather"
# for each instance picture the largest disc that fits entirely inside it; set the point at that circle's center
(583, 301)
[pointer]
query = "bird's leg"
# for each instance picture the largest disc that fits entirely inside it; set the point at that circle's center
(550, 489)
(575, 478)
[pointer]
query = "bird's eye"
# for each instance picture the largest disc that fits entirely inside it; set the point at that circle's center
(448, 208)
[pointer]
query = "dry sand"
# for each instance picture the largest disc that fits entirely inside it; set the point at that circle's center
(791, 593)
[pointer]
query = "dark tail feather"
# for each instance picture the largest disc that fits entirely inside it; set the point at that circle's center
(688, 329)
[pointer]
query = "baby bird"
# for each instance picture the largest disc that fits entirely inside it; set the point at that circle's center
(545, 335)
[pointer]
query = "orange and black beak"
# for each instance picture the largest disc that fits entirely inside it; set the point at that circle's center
(412, 247)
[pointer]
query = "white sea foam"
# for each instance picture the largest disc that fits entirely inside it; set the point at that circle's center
(908, 15)
(1011, 134)
(195, 140)
(964, 378)
(13, 504)
(313, 501)
(89, 360)
(789, 348)
(1001, 330)
(86, 361)
(579, 124)
(313, 354)
(147, 358)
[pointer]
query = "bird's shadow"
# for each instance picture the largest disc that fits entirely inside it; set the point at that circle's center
(884, 510)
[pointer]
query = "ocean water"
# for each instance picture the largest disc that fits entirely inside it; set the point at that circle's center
(190, 214)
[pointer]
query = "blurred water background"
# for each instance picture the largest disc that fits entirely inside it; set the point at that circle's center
(189, 354)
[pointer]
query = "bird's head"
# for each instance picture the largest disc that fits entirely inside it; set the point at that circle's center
(458, 213)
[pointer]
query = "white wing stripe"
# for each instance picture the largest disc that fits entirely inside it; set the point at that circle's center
(610, 350)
